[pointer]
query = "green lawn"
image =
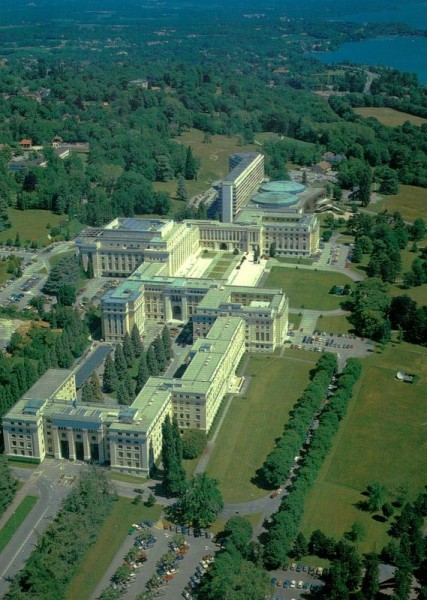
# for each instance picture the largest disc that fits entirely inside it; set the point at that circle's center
(15, 521)
(213, 160)
(126, 477)
(296, 261)
(334, 324)
(31, 225)
(110, 539)
(389, 116)
(381, 439)
(307, 289)
(411, 202)
(254, 421)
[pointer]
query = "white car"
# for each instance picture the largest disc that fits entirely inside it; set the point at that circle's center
(293, 583)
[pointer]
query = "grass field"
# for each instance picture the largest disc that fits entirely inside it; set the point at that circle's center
(15, 521)
(220, 266)
(307, 289)
(254, 421)
(110, 539)
(213, 160)
(334, 324)
(411, 202)
(383, 438)
(31, 225)
(125, 477)
(388, 116)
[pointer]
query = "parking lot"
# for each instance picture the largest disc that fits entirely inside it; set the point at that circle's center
(295, 580)
(179, 575)
(345, 345)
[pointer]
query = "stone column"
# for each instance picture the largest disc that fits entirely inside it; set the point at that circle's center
(168, 309)
(184, 305)
(101, 449)
(55, 442)
(71, 444)
(86, 446)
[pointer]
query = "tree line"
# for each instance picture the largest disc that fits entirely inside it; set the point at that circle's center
(61, 549)
(284, 526)
(277, 465)
(41, 348)
(151, 363)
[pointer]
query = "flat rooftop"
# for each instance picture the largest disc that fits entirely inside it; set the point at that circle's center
(246, 159)
(48, 384)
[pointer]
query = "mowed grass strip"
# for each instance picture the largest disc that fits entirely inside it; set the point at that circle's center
(382, 438)
(16, 519)
(307, 289)
(111, 537)
(254, 421)
(388, 116)
(411, 202)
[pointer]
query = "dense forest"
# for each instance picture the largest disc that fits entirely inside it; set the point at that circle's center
(125, 88)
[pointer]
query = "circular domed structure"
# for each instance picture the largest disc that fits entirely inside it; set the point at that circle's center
(282, 187)
(275, 199)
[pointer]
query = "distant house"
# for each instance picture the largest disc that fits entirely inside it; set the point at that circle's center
(26, 144)
(57, 141)
(62, 151)
(321, 167)
(332, 158)
(140, 83)
(23, 165)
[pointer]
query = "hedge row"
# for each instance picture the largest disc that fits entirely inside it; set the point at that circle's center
(285, 523)
(276, 467)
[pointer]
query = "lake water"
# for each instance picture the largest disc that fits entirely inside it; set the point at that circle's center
(414, 15)
(403, 53)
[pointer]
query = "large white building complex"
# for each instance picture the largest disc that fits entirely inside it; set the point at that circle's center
(48, 421)
(173, 272)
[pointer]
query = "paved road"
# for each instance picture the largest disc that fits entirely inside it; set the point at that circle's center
(52, 485)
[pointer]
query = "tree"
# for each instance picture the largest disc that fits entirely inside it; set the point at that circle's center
(370, 581)
(181, 190)
(160, 353)
(127, 381)
(193, 443)
(167, 342)
(300, 546)
(357, 532)
(387, 510)
(152, 364)
(151, 500)
(91, 391)
(272, 250)
(238, 531)
(417, 230)
(376, 493)
(173, 472)
(109, 379)
(143, 374)
(137, 344)
(123, 394)
(191, 166)
(66, 295)
(201, 502)
(8, 484)
(128, 350)
(120, 362)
